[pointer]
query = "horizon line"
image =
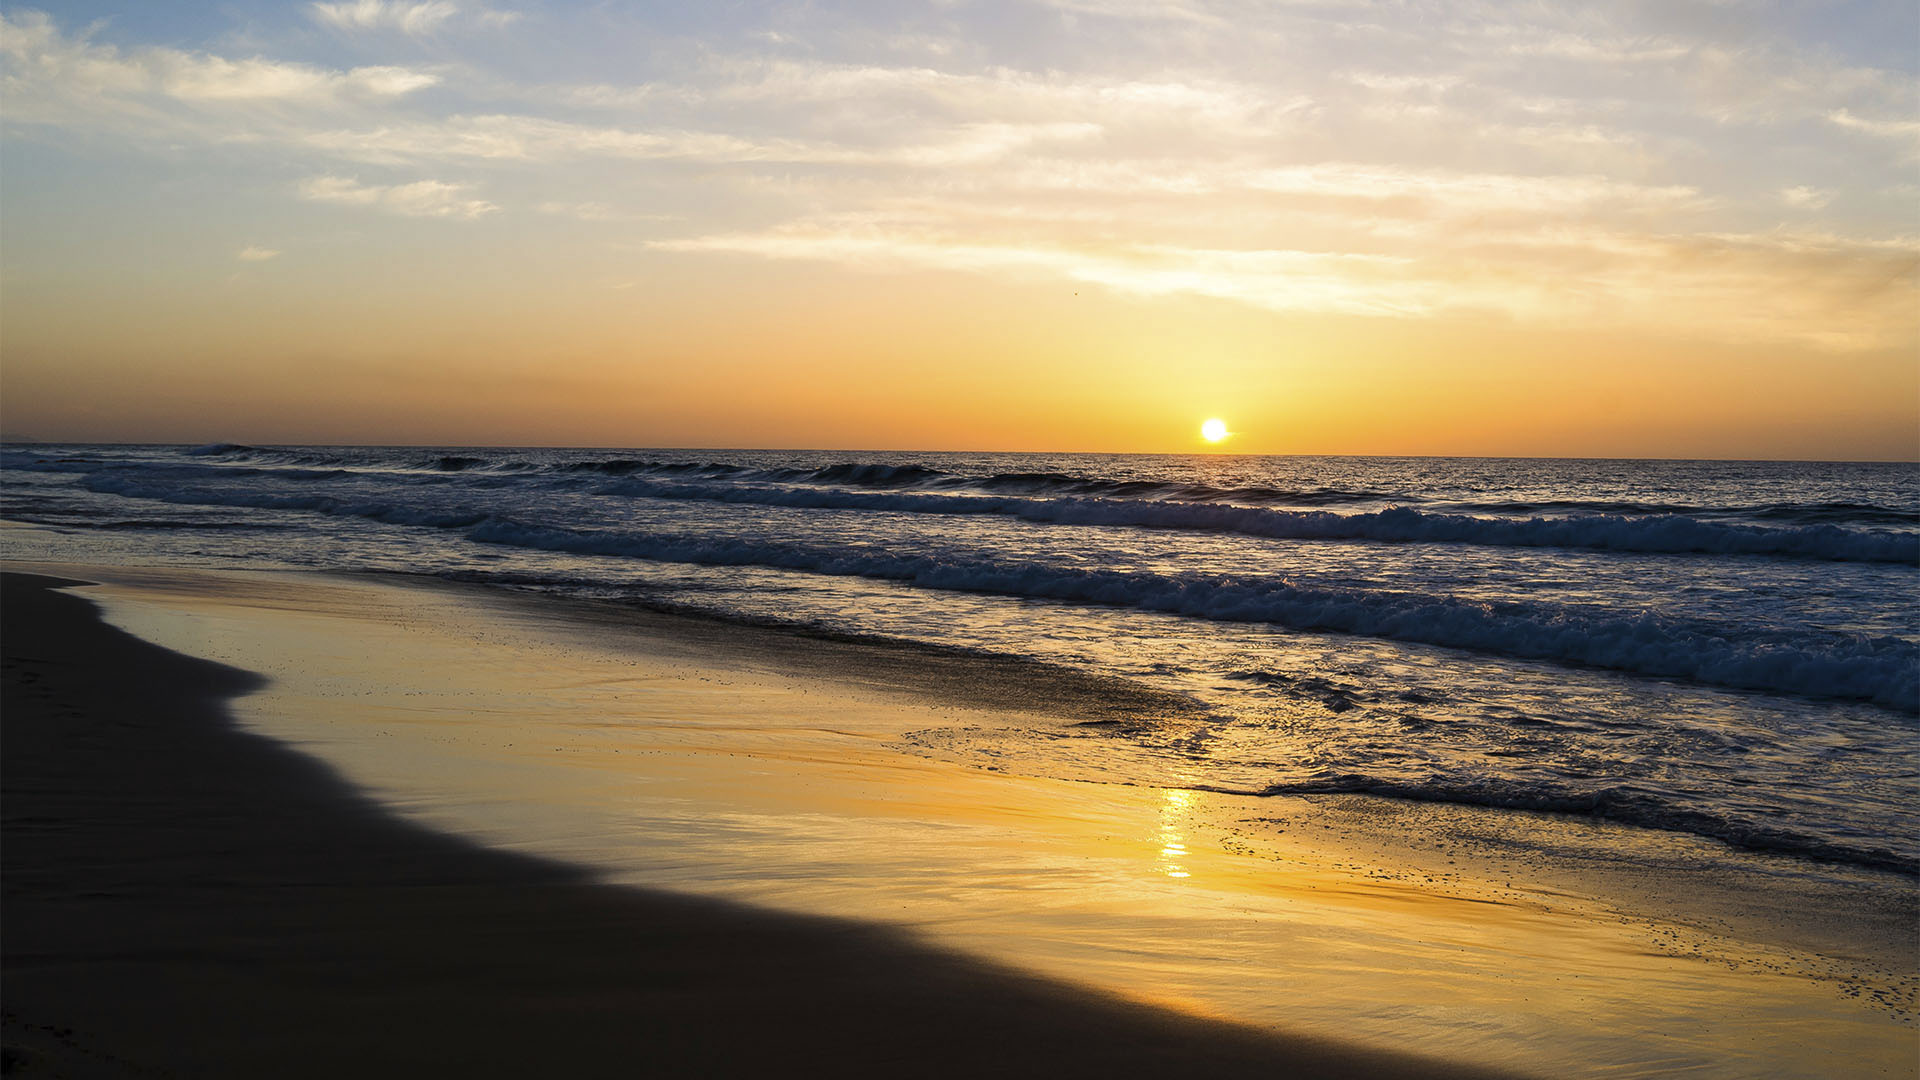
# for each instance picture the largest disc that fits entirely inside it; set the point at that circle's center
(10, 442)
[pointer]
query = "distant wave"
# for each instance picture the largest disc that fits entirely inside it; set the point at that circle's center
(237, 455)
(1883, 670)
(373, 510)
(1667, 534)
(875, 475)
(911, 478)
(1801, 512)
(36, 463)
(1655, 535)
(1615, 803)
(898, 477)
(908, 477)
(1056, 484)
(841, 474)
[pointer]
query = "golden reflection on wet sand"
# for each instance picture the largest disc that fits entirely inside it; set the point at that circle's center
(1173, 838)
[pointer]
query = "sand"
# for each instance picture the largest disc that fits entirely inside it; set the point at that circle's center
(732, 785)
(183, 897)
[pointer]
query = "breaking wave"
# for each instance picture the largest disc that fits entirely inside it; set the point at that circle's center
(1619, 803)
(1653, 535)
(1883, 670)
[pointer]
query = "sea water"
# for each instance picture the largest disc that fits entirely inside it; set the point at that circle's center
(1729, 650)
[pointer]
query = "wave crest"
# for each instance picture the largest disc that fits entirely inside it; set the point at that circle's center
(1602, 532)
(1613, 802)
(1883, 670)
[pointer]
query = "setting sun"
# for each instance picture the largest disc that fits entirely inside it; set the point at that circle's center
(1214, 430)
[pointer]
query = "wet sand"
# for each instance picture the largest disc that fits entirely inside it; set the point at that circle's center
(951, 806)
(183, 897)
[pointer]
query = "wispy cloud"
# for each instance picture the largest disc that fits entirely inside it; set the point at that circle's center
(422, 198)
(416, 17)
(1826, 291)
(251, 253)
(412, 18)
(49, 77)
(527, 138)
(596, 211)
(1520, 40)
(1801, 197)
(1149, 10)
(1904, 128)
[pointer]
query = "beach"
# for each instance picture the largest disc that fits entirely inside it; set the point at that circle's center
(1046, 538)
(186, 898)
(453, 828)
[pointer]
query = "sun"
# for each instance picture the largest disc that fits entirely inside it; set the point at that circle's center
(1214, 430)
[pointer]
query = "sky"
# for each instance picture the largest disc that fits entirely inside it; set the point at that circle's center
(1679, 228)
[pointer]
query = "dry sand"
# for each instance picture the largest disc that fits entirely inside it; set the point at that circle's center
(186, 898)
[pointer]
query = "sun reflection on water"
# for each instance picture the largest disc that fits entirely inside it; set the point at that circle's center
(1173, 838)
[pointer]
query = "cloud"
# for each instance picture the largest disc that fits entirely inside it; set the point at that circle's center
(422, 198)
(595, 211)
(1827, 291)
(1469, 193)
(255, 254)
(412, 18)
(583, 211)
(1278, 280)
(1149, 10)
(1805, 198)
(503, 137)
(418, 17)
(526, 138)
(1582, 48)
(1887, 129)
(607, 96)
(1585, 164)
(1213, 105)
(1247, 191)
(212, 78)
(1400, 83)
(49, 77)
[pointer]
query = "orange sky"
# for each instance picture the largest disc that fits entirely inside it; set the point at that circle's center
(438, 224)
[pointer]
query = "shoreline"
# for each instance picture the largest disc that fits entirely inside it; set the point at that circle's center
(184, 895)
(762, 768)
(1709, 885)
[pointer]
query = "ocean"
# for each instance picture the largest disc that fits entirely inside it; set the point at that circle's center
(1727, 650)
